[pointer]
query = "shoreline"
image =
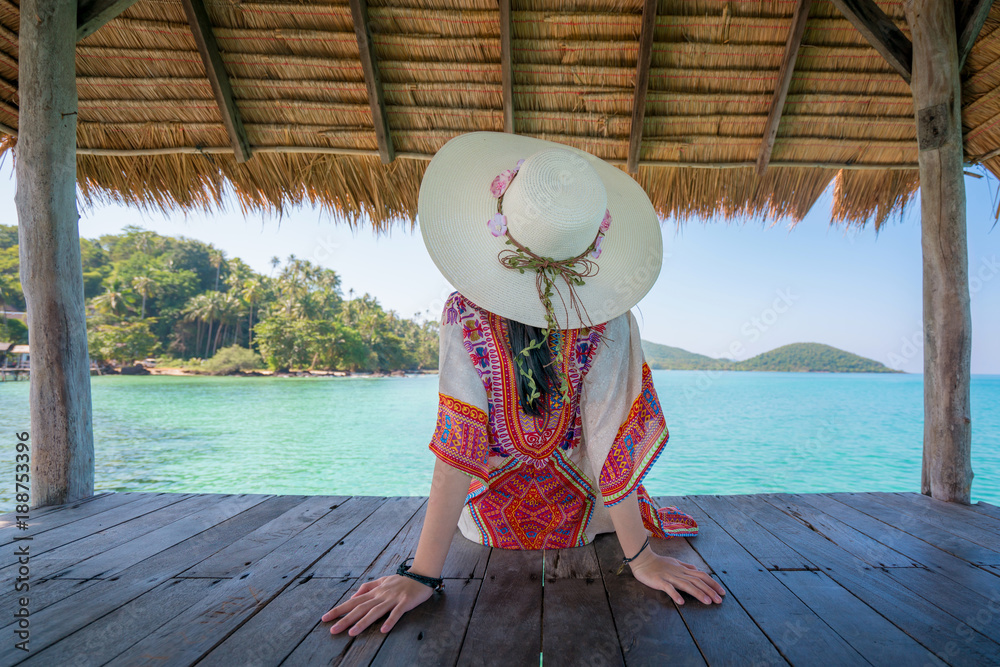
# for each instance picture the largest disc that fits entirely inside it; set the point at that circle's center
(169, 370)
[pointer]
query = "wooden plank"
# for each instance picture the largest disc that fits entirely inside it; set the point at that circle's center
(513, 583)
(730, 513)
(926, 529)
(279, 627)
(646, 35)
(106, 637)
(876, 639)
(970, 15)
(432, 633)
(572, 584)
(44, 592)
(319, 647)
(93, 14)
(59, 548)
(881, 32)
(8, 519)
(373, 82)
(926, 623)
(985, 508)
(649, 627)
(73, 612)
(215, 70)
(466, 559)
(244, 552)
(401, 546)
(949, 638)
(896, 537)
(965, 515)
(955, 519)
(352, 554)
(506, 67)
(946, 473)
(797, 631)
(854, 541)
(976, 608)
(142, 544)
(229, 604)
(785, 71)
(60, 515)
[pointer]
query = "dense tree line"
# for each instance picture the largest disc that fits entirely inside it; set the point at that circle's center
(148, 294)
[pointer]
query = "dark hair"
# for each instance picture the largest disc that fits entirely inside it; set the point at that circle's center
(538, 361)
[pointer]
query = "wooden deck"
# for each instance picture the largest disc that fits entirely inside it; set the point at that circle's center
(214, 579)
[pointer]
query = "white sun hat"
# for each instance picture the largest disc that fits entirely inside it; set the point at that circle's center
(556, 202)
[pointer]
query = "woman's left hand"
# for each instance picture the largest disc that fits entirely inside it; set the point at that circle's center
(671, 575)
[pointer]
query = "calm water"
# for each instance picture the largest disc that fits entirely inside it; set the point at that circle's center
(730, 433)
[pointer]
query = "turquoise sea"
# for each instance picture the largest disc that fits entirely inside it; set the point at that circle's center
(730, 432)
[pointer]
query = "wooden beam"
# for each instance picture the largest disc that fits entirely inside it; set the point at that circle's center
(641, 84)
(333, 150)
(506, 67)
(970, 15)
(369, 64)
(92, 14)
(215, 69)
(51, 273)
(784, 80)
(6, 129)
(937, 100)
(881, 33)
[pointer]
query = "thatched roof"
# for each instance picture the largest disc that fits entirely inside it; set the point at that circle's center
(296, 73)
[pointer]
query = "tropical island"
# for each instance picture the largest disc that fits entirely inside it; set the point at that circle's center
(189, 306)
(183, 306)
(796, 357)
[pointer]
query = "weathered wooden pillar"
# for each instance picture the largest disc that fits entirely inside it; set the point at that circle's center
(62, 441)
(947, 462)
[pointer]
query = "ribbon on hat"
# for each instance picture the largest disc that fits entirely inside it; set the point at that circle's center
(572, 270)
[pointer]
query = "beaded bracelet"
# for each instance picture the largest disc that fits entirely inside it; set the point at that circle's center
(437, 583)
(628, 560)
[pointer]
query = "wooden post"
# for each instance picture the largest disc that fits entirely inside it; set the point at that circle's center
(62, 441)
(947, 465)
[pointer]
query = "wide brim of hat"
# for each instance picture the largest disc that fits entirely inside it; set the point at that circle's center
(455, 203)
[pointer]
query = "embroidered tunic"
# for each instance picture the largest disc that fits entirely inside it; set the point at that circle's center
(546, 482)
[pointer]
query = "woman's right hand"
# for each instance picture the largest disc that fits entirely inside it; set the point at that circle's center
(672, 576)
(393, 593)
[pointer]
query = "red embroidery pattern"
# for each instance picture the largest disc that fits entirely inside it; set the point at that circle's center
(638, 444)
(460, 436)
(664, 522)
(531, 440)
(534, 508)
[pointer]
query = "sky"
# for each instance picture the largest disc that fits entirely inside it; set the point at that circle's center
(726, 289)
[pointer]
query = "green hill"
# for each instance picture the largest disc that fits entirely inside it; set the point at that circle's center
(797, 357)
(664, 357)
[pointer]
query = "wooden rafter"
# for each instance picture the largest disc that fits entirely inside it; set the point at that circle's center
(373, 82)
(92, 14)
(970, 15)
(506, 67)
(641, 84)
(784, 80)
(6, 129)
(215, 69)
(881, 33)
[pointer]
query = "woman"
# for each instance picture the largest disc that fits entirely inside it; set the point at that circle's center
(547, 415)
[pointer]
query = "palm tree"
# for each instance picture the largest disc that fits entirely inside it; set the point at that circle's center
(145, 286)
(275, 261)
(252, 291)
(113, 301)
(217, 258)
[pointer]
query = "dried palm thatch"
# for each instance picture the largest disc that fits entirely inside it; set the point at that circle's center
(151, 134)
